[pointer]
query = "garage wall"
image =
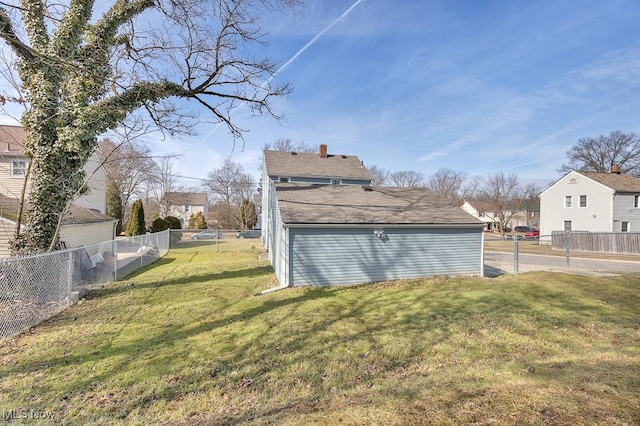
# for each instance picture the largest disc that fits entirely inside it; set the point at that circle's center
(86, 234)
(352, 256)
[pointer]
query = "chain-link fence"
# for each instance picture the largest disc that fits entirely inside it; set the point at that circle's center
(34, 288)
(214, 236)
(605, 253)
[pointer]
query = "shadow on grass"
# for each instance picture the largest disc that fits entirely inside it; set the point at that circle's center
(322, 342)
(255, 272)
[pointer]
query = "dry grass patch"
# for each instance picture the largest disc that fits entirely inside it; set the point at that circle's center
(186, 341)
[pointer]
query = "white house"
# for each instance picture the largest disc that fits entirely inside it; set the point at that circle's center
(85, 223)
(184, 204)
(488, 213)
(589, 201)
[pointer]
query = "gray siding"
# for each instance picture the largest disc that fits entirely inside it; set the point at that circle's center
(624, 211)
(351, 256)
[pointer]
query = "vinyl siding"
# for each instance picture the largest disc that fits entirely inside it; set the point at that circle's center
(352, 256)
(595, 217)
(7, 233)
(86, 234)
(96, 197)
(623, 210)
(10, 186)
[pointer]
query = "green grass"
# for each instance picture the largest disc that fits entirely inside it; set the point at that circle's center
(186, 341)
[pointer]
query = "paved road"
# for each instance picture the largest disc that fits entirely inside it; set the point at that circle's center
(498, 263)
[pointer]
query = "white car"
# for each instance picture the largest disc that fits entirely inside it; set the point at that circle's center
(209, 234)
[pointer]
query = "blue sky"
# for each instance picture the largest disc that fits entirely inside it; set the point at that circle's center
(474, 86)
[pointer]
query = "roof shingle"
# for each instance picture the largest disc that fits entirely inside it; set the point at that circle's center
(617, 182)
(282, 163)
(348, 204)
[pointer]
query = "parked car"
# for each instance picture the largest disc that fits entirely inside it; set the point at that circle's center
(251, 233)
(532, 234)
(209, 234)
(524, 229)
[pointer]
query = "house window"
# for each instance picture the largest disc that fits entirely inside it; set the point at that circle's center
(284, 179)
(567, 226)
(187, 209)
(18, 168)
(625, 227)
(636, 201)
(583, 201)
(567, 201)
(335, 181)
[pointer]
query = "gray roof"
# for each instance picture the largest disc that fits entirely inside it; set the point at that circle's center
(282, 163)
(353, 205)
(11, 140)
(617, 182)
(187, 198)
(9, 208)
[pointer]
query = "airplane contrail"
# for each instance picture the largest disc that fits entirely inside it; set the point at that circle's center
(298, 53)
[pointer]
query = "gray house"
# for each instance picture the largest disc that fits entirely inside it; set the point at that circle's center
(346, 234)
(321, 168)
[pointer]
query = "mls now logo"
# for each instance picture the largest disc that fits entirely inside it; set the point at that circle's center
(8, 415)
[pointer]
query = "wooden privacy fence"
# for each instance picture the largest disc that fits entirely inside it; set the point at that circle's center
(597, 242)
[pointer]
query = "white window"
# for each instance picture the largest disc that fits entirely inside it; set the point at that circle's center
(636, 201)
(567, 201)
(625, 227)
(567, 225)
(187, 209)
(583, 201)
(19, 168)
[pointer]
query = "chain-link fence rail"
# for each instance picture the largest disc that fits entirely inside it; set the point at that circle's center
(598, 253)
(34, 288)
(212, 236)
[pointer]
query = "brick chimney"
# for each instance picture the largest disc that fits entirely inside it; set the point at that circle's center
(615, 169)
(323, 151)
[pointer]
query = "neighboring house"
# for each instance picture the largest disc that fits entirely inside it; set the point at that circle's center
(183, 204)
(589, 201)
(489, 214)
(297, 167)
(347, 234)
(486, 212)
(529, 215)
(85, 223)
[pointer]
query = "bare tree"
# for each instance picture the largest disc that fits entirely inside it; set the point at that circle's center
(380, 175)
(287, 145)
(81, 72)
(601, 153)
(507, 195)
(448, 183)
(129, 167)
(407, 178)
(162, 181)
(232, 187)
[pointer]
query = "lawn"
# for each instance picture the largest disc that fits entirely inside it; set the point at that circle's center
(187, 341)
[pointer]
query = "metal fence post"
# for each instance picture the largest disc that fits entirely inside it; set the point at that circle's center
(515, 255)
(70, 277)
